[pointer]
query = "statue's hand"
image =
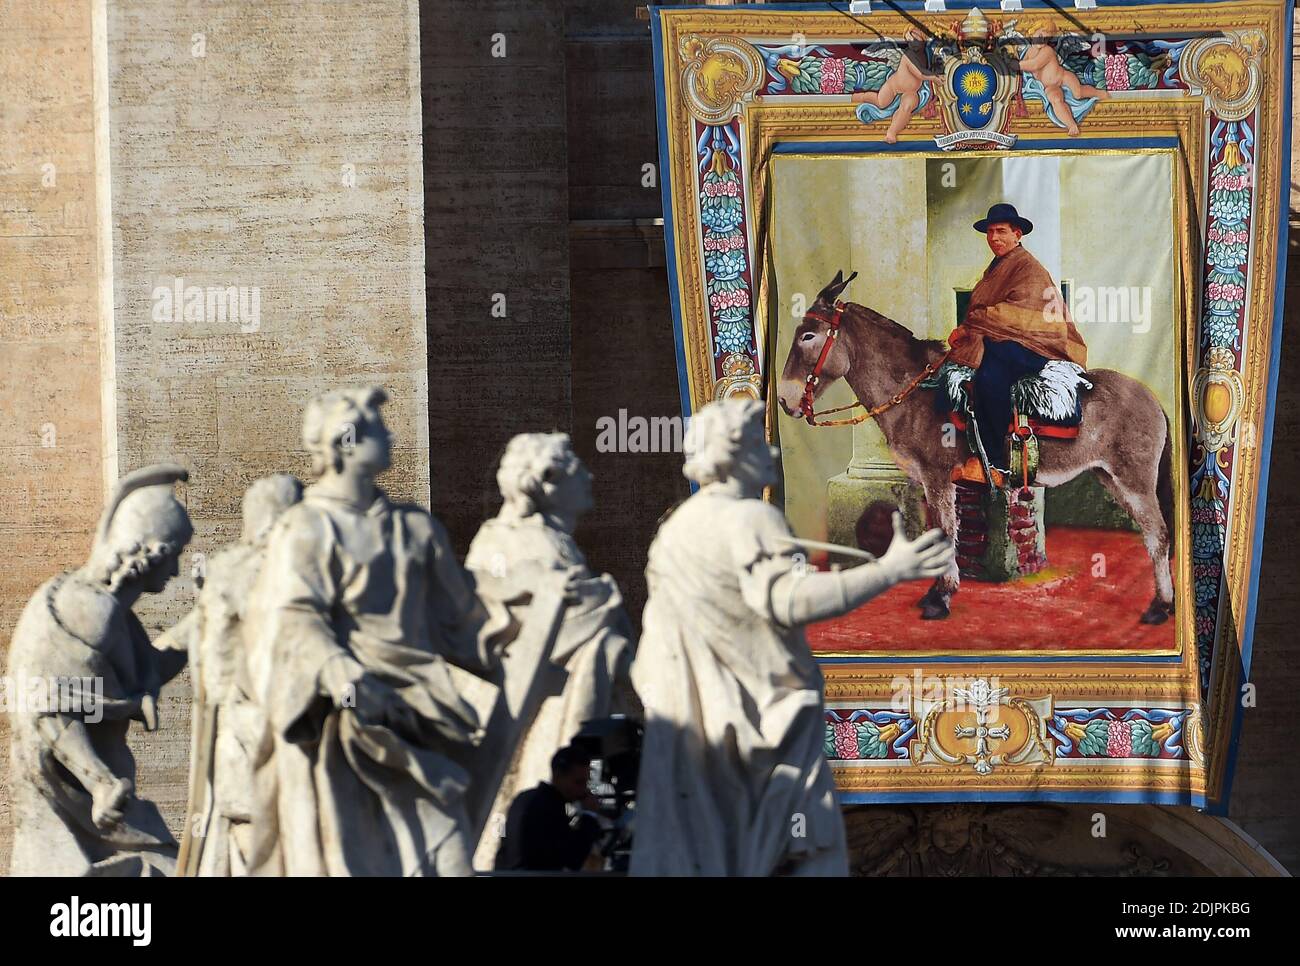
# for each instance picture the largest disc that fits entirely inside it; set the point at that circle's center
(574, 577)
(378, 703)
(929, 555)
(108, 802)
(149, 712)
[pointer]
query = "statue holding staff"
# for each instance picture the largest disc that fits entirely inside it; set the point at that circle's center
(229, 729)
(518, 558)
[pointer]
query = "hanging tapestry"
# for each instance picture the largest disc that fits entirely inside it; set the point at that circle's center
(1014, 274)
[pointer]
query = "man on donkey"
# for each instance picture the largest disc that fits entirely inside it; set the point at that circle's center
(1016, 322)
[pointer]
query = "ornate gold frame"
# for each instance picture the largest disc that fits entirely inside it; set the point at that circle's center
(690, 36)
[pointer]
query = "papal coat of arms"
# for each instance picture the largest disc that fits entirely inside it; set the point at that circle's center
(978, 74)
(979, 82)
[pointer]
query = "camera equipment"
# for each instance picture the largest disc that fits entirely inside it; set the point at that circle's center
(614, 744)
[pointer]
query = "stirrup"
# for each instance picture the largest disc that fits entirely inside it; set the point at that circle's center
(972, 472)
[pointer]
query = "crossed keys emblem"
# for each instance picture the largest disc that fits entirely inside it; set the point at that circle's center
(982, 698)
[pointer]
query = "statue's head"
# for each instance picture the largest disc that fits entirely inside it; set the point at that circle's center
(726, 441)
(342, 429)
(265, 500)
(951, 827)
(143, 530)
(540, 473)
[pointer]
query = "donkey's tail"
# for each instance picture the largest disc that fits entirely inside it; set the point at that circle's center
(1165, 485)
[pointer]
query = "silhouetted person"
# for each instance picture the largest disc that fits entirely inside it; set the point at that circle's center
(540, 837)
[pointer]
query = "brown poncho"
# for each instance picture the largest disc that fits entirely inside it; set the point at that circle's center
(1017, 301)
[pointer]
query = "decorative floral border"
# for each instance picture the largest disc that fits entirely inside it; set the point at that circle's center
(1119, 733)
(862, 734)
(724, 224)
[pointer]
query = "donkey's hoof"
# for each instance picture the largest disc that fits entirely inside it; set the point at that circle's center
(935, 609)
(1157, 613)
(927, 598)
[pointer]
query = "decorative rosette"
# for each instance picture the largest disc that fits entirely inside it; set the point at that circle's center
(811, 74)
(855, 740)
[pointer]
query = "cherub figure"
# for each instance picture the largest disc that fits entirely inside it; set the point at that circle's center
(74, 803)
(911, 73)
(1042, 61)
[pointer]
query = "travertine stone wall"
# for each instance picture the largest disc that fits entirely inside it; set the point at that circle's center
(496, 232)
(268, 146)
(272, 147)
(50, 440)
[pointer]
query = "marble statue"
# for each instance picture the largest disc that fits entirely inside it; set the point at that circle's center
(73, 776)
(733, 777)
(362, 634)
(230, 736)
(545, 489)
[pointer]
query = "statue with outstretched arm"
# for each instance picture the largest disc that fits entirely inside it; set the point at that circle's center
(733, 776)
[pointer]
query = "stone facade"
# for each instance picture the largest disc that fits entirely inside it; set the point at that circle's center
(272, 149)
(51, 193)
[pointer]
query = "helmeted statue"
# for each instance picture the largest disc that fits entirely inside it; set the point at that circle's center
(734, 780)
(73, 776)
(230, 734)
(359, 627)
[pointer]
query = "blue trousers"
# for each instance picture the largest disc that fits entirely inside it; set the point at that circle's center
(1003, 364)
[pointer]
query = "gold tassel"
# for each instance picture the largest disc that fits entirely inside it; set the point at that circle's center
(719, 163)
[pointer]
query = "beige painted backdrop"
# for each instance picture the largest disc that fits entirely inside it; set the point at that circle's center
(840, 214)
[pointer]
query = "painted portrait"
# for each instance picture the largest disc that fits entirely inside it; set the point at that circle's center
(990, 344)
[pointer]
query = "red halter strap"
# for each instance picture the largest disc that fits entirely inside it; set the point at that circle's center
(814, 377)
(810, 385)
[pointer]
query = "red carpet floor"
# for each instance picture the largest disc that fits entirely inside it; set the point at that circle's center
(1062, 608)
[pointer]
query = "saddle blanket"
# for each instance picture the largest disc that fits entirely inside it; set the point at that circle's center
(1050, 399)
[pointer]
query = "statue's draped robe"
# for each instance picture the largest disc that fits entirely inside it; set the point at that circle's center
(591, 651)
(1017, 301)
(72, 629)
(733, 777)
(343, 795)
(229, 734)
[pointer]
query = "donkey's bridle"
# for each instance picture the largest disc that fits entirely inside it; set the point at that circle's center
(814, 377)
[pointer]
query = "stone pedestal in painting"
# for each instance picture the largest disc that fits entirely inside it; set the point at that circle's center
(871, 478)
(1000, 535)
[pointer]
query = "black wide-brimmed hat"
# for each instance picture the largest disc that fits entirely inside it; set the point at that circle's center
(1003, 212)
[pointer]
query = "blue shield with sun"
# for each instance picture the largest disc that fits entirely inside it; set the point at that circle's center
(975, 85)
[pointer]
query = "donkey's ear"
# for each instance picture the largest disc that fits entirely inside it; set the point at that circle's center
(838, 284)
